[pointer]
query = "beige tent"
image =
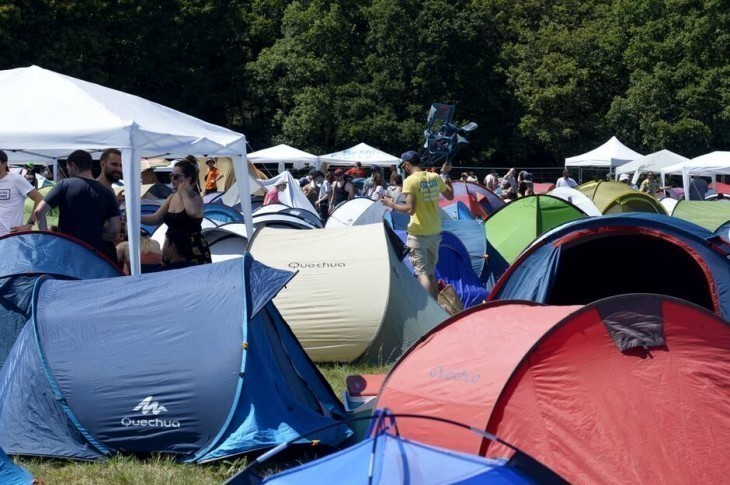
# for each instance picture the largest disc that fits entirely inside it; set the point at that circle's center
(352, 298)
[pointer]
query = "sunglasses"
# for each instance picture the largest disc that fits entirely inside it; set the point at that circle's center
(176, 176)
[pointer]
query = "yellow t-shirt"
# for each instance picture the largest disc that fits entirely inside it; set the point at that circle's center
(426, 188)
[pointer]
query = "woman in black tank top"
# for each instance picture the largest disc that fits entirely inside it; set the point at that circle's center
(183, 212)
(342, 190)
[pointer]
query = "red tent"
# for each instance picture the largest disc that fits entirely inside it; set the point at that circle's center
(480, 200)
(629, 389)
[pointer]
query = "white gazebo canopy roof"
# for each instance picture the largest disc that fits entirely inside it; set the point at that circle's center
(654, 162)
(362, 153)
(49, 115)
(611, 154)
(705, 165)
(283, 154)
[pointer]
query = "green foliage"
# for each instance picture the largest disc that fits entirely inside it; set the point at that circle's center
(677, 57)
(544, 80)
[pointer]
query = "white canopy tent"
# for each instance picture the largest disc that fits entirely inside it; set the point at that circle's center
(610, 155)
(654, 162)
(283, 154)
(362, 153)
(708, 165)
(47, 115)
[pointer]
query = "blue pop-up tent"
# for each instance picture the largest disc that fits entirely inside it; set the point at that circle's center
(221, 214)
(29, 255)
(593, 258)
(454, 268)
(12, 474)
(195, 362)
(387, 457)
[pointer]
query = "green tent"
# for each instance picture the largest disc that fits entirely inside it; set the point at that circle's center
(615, 197)
(51, 217)
(705, 213)
(514, 226)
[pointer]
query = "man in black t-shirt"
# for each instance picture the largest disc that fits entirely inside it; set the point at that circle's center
(85, 204)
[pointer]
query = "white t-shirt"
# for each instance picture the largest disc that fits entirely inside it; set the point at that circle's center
(376, 193)
(325, 190)
(562, 182)
(13, 190)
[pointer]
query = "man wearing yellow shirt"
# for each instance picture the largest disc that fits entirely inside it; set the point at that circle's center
(421, 190)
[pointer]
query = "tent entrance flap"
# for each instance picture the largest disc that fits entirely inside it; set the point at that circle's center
(650, 265)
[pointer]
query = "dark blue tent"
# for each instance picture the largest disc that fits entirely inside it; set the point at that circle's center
(472, 235)
(724, 231)
(221, 214)
(12, 474)
(454, 268)
(195, 362)
(593, 258)
(27, 256)
(469, 231)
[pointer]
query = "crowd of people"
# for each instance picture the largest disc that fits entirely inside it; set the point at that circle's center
(326, 191)
(90, 209)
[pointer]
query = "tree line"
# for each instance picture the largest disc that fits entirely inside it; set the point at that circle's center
(544, 79)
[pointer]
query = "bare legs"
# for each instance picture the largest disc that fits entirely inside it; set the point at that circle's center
(430, 284)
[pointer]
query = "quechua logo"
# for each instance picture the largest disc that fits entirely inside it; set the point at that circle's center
(149, 406)
(321, 264)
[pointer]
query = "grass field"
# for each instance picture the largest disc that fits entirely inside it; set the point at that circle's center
(123, 470)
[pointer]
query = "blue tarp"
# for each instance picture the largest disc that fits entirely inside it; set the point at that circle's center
(27, 256)
(212, 371)
(12, 474)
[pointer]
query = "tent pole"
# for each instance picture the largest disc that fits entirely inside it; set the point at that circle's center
(240, 167)
(685, 182)
(714, 182)
(132, 203)
(638, 173)
(55, 170)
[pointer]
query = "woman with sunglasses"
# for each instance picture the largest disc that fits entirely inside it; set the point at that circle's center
(183, 211)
